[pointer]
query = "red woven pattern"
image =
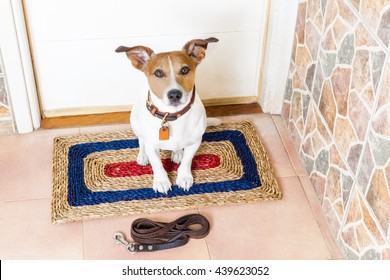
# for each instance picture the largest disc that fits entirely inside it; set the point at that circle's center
(125, 169)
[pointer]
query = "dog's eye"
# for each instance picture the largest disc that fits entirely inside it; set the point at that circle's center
(184, 70)
(159, 73)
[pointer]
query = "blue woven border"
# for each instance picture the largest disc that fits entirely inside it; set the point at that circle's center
(80, 195)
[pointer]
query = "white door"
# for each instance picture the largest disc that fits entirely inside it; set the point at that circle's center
(78, 72)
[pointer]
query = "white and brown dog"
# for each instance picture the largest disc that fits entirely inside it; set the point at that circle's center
(171, 115)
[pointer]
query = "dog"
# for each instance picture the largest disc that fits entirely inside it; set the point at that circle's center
(170, 116)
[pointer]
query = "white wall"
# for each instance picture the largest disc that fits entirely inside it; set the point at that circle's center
(74, 43)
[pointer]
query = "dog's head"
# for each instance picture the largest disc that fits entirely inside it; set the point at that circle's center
(171, 75)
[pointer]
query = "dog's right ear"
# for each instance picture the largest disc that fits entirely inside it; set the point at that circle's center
(139, 55)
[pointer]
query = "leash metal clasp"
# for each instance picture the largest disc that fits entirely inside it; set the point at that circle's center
(119, 238)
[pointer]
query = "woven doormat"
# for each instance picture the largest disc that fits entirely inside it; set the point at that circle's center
(96, 175)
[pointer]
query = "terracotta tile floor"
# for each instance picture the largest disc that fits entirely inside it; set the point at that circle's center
(293, 228)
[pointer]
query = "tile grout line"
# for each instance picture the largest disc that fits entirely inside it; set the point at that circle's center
(205, 240)
(26, 199)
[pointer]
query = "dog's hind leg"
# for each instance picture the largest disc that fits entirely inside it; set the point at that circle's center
(177, 156)
(184, 177)
(142, 158)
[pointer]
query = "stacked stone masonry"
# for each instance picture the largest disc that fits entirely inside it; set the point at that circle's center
(337, 109)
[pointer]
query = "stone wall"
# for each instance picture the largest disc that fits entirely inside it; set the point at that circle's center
(337, 109)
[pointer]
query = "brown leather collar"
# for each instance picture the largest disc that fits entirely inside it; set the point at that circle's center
(169, 116)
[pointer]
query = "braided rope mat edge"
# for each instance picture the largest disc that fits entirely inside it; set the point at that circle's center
(63, 212)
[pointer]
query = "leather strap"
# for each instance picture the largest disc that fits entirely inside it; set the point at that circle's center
(153, 236)
(169, 116)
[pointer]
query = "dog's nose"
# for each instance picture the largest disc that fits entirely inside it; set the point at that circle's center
(174, 95)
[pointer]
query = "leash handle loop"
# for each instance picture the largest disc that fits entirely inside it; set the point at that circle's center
(149, 235)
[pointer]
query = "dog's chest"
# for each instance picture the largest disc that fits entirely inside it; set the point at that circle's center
(183, 132)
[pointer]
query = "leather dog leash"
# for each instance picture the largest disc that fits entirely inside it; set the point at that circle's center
(152, 236)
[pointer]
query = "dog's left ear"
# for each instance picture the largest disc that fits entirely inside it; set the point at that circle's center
(196, 49)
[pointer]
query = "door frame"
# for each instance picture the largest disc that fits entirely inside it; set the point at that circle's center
(18, 68)
(18, 60)
(276, 62)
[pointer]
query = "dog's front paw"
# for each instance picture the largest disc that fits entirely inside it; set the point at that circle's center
(162, 185)
(185, 182)
(177, 156)
(142, 159)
